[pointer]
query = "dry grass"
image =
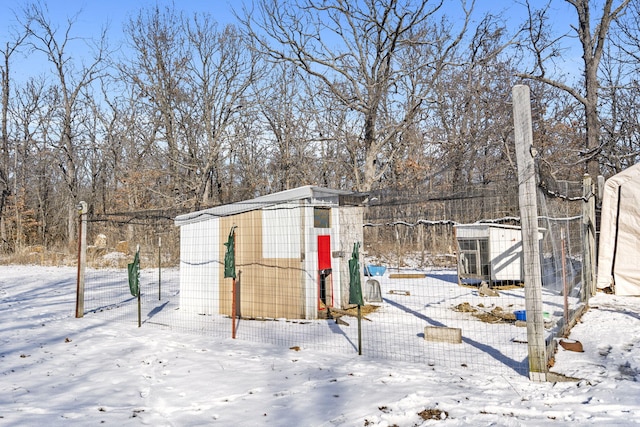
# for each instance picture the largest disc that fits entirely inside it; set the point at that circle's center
(364, 310)
(496, 315)
(38, 255)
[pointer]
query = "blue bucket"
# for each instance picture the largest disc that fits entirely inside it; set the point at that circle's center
(374, 270)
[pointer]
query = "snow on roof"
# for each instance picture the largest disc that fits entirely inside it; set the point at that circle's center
(307, 192)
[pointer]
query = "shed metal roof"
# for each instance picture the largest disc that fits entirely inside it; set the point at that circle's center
(307, 192)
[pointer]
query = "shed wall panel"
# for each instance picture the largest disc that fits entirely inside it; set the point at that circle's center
(266, 287)
(281, 237)
(199, 267)
(505, 246)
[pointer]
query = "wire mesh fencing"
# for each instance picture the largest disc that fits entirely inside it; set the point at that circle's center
(441, 274)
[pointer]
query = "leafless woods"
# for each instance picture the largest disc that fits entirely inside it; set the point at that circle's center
(179, 111)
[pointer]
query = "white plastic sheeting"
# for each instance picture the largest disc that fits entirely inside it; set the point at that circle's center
(619, 247)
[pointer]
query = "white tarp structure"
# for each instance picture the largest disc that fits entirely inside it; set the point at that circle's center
(619, 248)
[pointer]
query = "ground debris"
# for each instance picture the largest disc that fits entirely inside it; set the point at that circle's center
(497, 315)
(433, 414)
(465, 307)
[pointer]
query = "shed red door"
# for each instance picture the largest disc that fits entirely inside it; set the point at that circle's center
(324, 252)
(325, 287)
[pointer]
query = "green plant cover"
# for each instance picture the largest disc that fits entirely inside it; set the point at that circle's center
(230, 256)
(134, 275)
(355, 286)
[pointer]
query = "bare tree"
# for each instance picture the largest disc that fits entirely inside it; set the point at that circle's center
(158, 71)
(72, 81)
(34, 218)
(290, 125)
(466, 126)
(222, 69)
(6, 148)
(545, 49)
(364, 74)
(620, 128)
(621, 91)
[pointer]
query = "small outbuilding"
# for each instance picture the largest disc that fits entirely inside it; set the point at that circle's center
(619, 245)
(490, 252)
(292, 251)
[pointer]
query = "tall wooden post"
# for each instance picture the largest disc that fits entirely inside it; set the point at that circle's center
(527, 194)
(588, 238)
(82, 258)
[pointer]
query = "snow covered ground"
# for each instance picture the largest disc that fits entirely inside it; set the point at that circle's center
(58, 370)
(408, 301)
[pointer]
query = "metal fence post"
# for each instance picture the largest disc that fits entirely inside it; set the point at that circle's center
(588, 238)
(82, 258)
(159, 268)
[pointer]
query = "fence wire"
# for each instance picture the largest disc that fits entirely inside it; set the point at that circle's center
(441, 275)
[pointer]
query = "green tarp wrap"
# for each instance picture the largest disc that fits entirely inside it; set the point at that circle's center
(230, 256)
(355, 288)
(134, 275)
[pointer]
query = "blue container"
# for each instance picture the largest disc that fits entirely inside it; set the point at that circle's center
(374, 270)
(522, 315)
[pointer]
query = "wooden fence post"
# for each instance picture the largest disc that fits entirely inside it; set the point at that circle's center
(82, 258)
(527, 197)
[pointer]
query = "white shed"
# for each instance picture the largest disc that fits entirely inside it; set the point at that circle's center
(619, 245)
(490, 252)
(292, 250)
